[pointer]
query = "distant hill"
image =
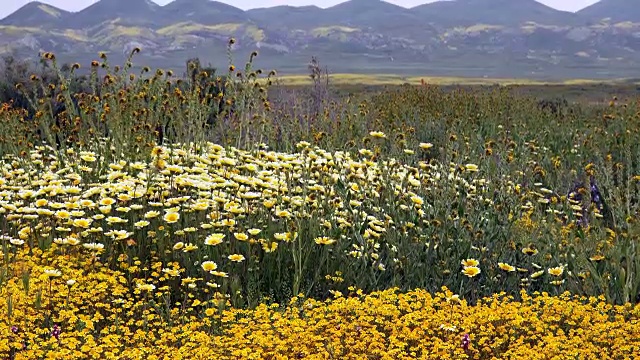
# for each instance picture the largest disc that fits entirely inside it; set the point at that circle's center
(35, 14)
(512, 38)
(492, 12)
(202, 11)
(370, 13)
(616, 10)
(286, 16)
(351, 13)
(390, 19)
(127, 12)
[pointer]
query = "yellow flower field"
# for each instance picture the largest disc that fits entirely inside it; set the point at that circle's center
(211, 217)
(100, 317)
(199, 221)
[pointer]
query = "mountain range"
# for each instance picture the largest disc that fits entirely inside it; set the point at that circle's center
(490, 38)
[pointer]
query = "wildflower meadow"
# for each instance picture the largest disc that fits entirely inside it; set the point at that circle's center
(222, 215)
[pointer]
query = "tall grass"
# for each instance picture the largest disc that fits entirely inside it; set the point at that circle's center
(323, 194)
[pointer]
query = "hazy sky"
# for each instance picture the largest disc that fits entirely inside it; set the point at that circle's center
(10, 6)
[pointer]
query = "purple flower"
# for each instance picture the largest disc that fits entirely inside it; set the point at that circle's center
(14, 329)
(56, 332)
(466, 341)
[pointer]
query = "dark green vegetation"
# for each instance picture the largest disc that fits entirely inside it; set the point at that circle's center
(477, 38)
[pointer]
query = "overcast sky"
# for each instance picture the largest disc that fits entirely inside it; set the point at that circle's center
(10, 6)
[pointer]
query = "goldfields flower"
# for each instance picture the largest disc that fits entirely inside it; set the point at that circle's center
(455, 298)
(145, 287)
(140, 224)
(283, 213)
(201, 205)
(160, 164)
(250, 195)
(269, 246)
(42, 202)
(171, 272)
(417, 200)
(506, 267)
(52, 273)
(529, 251)
(214, 239)
(88, 158)
(209, 266)
(241, 236)
(62, 214)
(115, 220)
(471, 167)
(236, 258)
(151, 214)
(556, 271)
(471, 271)
(171, 217)
(24, 233)
(470, 262)
(324, 240)
(82, 223)
(451, 328)
(190, 247)
(16, 242)
(107, 201)
(537, 274)
(93, 246)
